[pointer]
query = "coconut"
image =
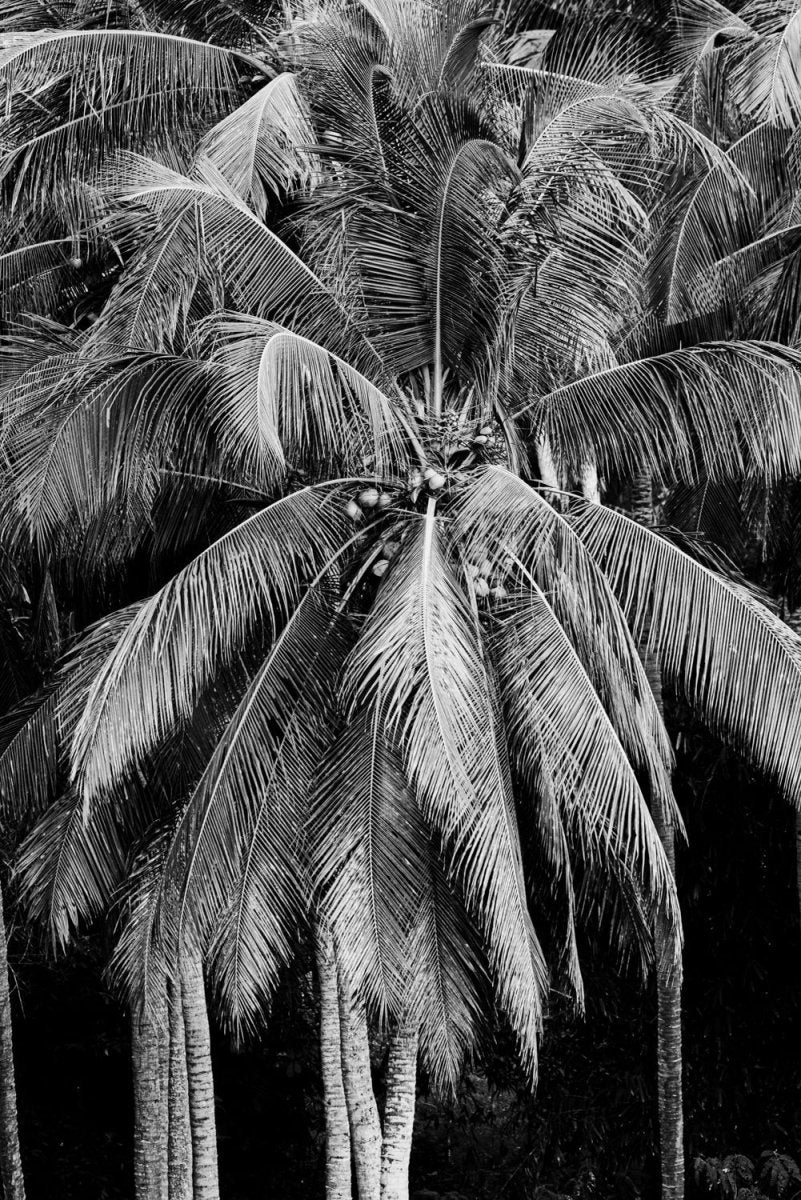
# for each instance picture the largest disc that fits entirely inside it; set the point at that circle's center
(436, 481)
(368, 498)
(486, 430)
(76, 262)
(499, 592)
(428, 472)
(384, 500)
(482, 587)
(391, 549)
(353, 510)
(380, 567)
(481, 439)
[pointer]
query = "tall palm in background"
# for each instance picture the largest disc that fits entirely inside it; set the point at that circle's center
(354, 300)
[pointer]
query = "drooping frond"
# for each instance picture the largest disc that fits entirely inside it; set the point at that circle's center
(297, 400)
(720, 408)
(365, 861)
(505, 521)
(73, 96)
(264, 147)
(29, 754)
(420, 653)
(737, 662)
(234, 861)
(765, 76)
(403, 937)
(69, 869)
(248, 579)
(258, 273)
(565, 744)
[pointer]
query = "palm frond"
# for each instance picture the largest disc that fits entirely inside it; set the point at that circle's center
(231, 873)
(564, 743)
(735, 661)
(419, 656)
(264, 146)
(765, 74)
(74, 96)
(69, 870)
(292, 398)
(719, 408)
(29, 754)
(502, 520)
(250, 577)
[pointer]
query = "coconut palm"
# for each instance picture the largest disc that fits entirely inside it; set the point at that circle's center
(453, 248)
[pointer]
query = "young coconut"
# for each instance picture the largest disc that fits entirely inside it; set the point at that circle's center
(481, 587)
(369, 497)
(353, 510)
(384, 500)
(75, 261)
(380, 567)
(436, 481)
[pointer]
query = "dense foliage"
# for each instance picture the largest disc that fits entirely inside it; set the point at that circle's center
(395, 397)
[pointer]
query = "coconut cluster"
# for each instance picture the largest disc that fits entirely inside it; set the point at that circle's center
(367, 500)
(486, 581)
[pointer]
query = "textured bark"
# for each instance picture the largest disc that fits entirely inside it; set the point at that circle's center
(337, 1129)
(399, 1114)
(148, 1040)
(668, 974)
(201, 1080)
(365, 1127)
(11, 1180)
(180, 1129)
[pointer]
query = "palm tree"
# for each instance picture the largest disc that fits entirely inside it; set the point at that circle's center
(450, 245)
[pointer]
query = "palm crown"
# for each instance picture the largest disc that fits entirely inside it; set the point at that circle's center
(410, 680)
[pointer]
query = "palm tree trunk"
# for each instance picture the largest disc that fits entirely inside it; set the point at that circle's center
(793, 619)
(11, 1180)
(337, 1130)
(399, 1114)
(365, 1127)
(200, 1079)
(668, 978)
(180, 1128)
(798, 859)
(148, 1038)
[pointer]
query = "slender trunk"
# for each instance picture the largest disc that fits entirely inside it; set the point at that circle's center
(549, 473)
(399, 1114)
(793, 619)
(337, 1130)
(365, 1127)
(200, 1078)
(148, 1039)
(180, 1128)
(590, 487)
(798, 859)
(668, 977)
(11, 1180)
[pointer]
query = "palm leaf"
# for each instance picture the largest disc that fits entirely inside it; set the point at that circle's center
(720, 408)
(420, 653)
(264, 146)
(250, 578)
(735, 661)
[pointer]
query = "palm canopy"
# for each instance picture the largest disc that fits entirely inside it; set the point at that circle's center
(357, 295)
